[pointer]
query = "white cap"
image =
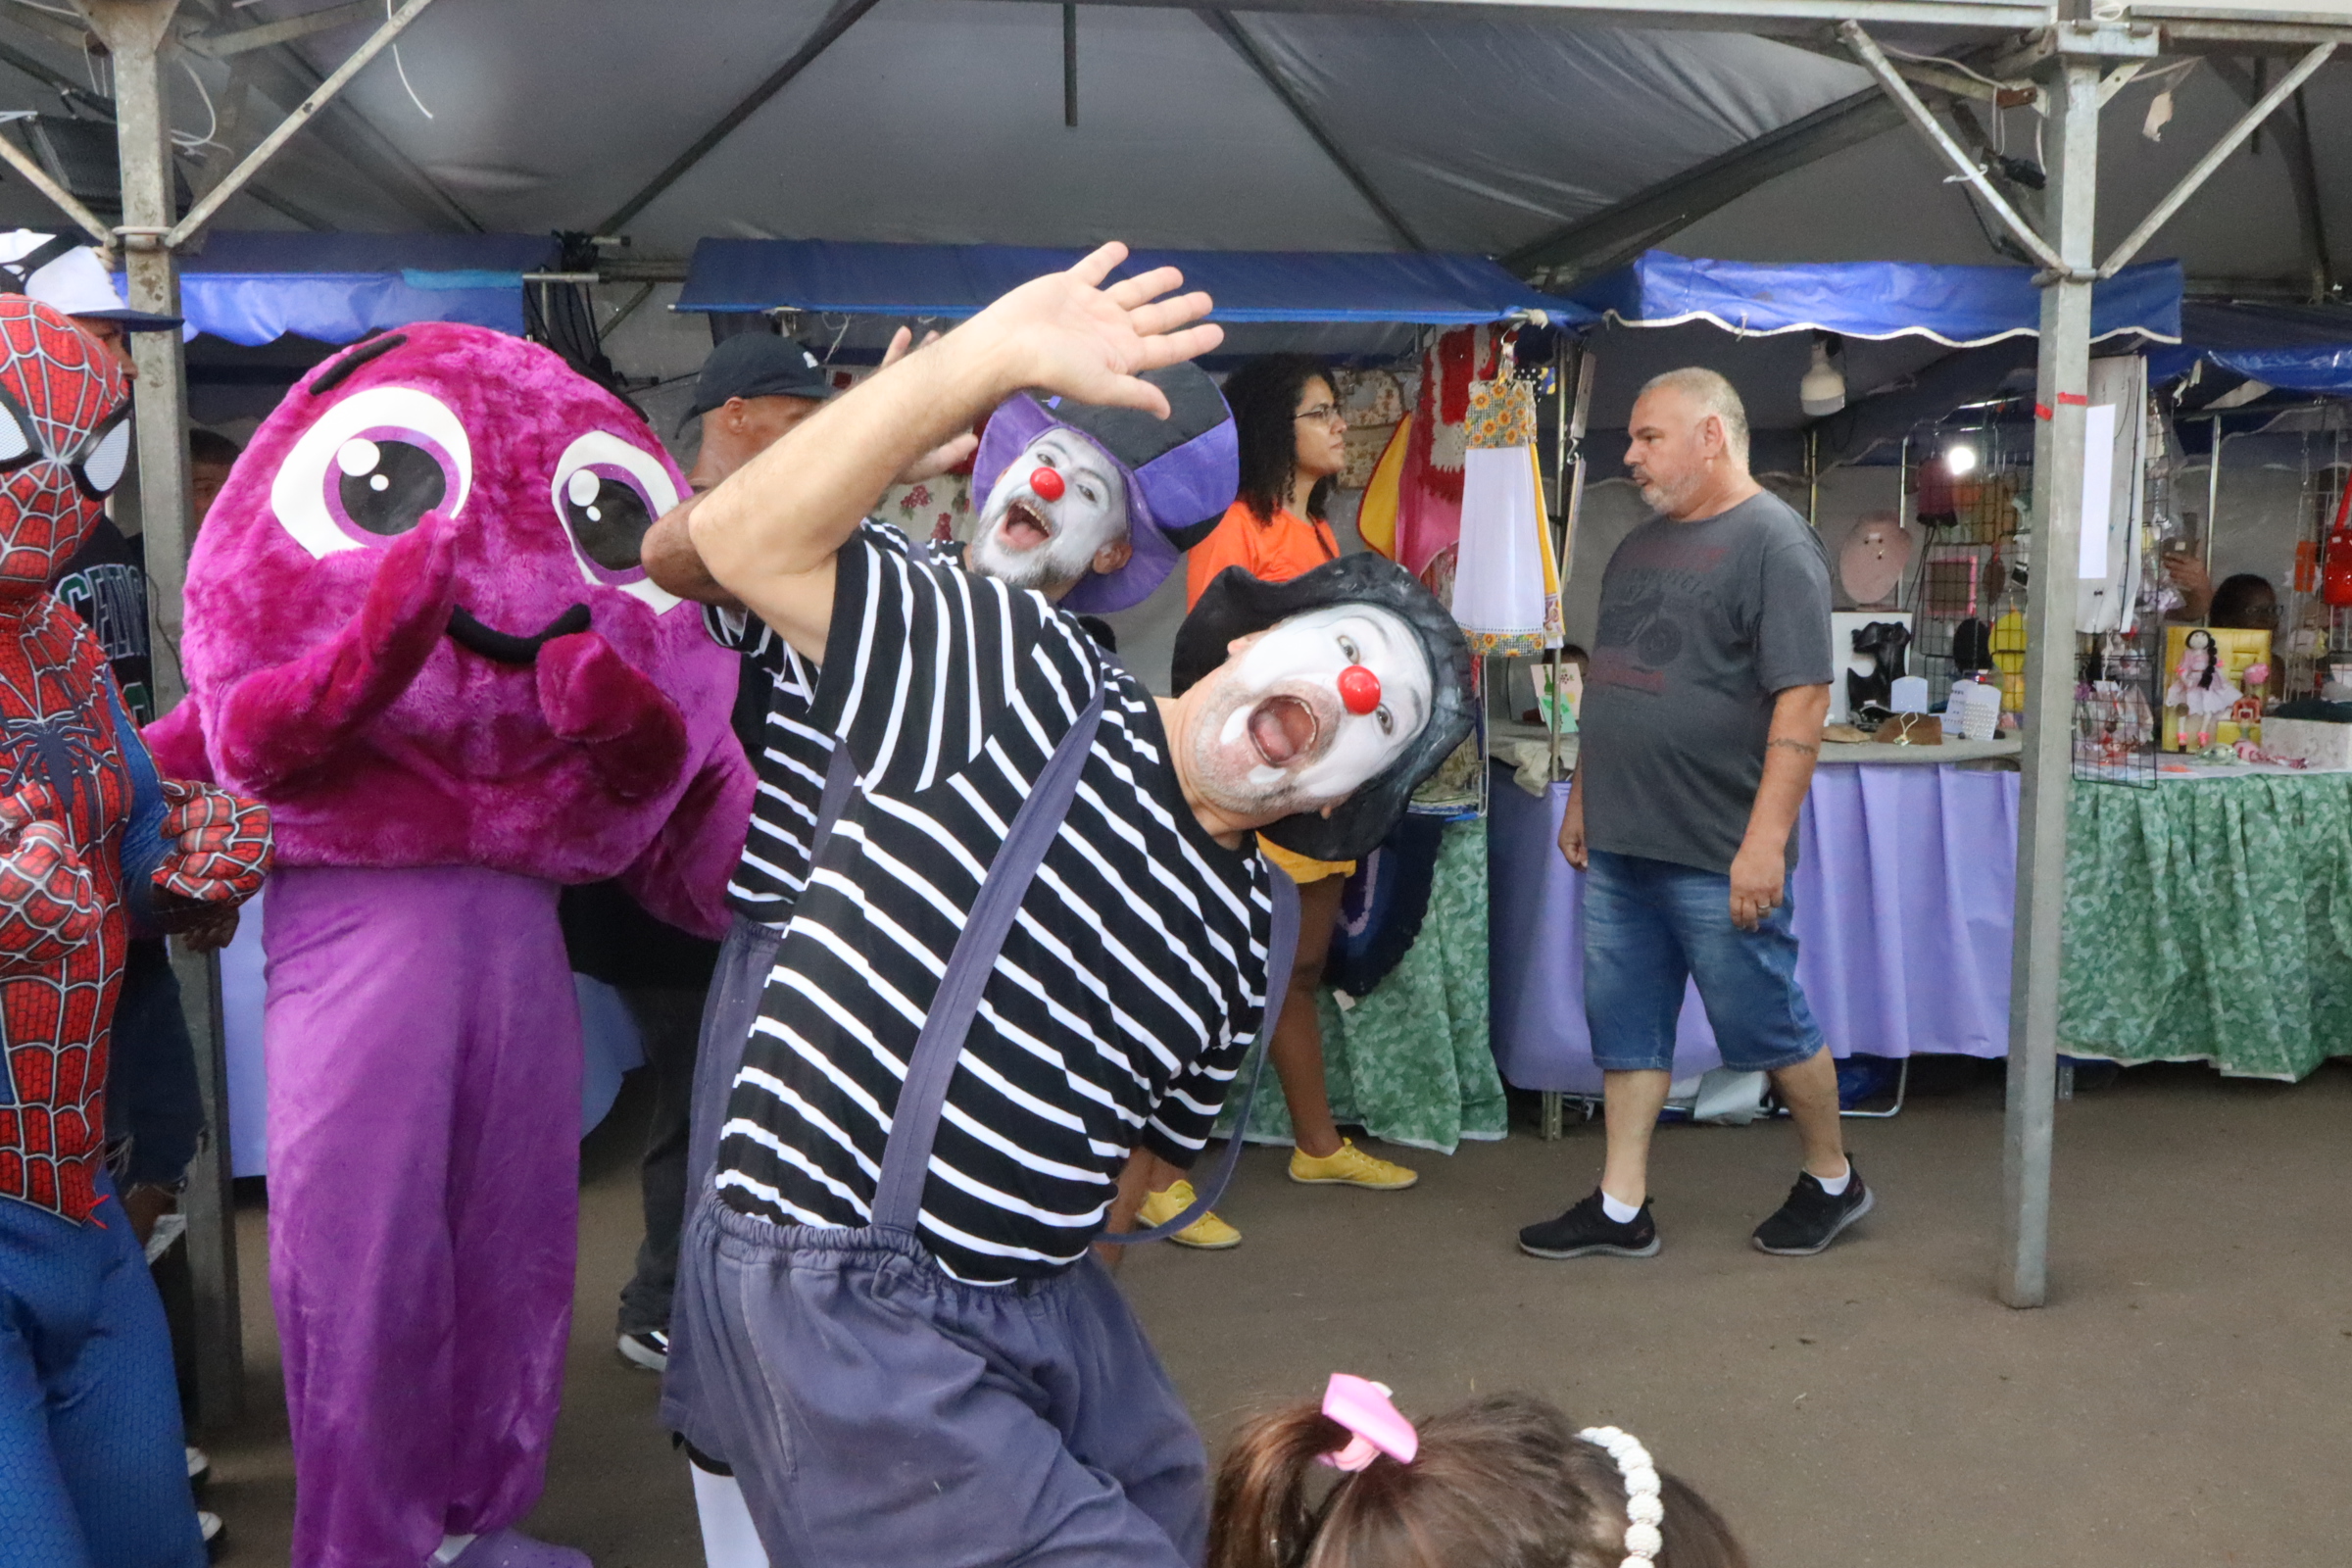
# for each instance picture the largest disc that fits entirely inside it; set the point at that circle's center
(76, 283)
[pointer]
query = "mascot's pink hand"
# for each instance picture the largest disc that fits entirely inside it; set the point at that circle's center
(409, 603)
(177, 741)
(223, 846)
(635, 736)
(48, 900)
(280, 722)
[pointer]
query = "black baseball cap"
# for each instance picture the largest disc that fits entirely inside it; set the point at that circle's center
(758, 364)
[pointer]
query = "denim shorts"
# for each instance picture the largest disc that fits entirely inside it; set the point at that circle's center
(1650, 925)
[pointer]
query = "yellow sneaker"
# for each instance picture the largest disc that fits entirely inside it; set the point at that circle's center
(1351, 1167)
(1207, 1232)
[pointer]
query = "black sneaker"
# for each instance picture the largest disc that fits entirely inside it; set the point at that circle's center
(647, 1347)
(1586, 1231)
(1811, 1218)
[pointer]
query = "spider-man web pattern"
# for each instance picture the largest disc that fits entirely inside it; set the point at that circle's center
(69, 392)
(64, 791)
(62, 927)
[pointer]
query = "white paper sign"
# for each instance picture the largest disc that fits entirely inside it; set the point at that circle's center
(2098, 489)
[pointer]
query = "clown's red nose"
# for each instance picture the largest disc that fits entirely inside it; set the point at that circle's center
(1046, 483)
(1359, 689)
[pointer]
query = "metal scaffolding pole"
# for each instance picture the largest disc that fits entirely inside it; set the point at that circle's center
(137, 35)
(2060, 410)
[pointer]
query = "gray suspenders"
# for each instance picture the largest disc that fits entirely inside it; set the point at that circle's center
(907, 1158)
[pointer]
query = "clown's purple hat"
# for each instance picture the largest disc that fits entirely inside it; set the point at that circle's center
(1181, 473)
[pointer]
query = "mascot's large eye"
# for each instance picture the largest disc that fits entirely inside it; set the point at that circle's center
(387, 486)
(608, 516)
(606, 493)
(370, 469)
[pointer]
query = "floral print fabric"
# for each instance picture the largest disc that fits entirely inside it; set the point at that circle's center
(1409, 1062)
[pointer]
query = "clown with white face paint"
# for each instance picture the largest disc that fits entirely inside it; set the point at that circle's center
(1014, 856)
(1059, 514)
(1310, 710)
(1093, 507)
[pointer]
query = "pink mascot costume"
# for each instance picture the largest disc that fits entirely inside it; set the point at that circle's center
(417, 628)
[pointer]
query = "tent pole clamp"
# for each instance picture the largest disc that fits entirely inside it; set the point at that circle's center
(1865, 49)
(143, 236)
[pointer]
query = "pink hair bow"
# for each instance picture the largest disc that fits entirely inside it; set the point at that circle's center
(1365, 1409)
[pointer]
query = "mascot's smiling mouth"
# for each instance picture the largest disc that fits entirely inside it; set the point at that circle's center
(505, 645)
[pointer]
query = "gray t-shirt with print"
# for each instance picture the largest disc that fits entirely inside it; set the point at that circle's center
(1702, 625)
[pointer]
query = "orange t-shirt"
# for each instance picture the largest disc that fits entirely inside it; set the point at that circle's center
(1287, 547)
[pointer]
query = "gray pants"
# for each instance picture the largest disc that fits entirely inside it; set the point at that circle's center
(878, 1412)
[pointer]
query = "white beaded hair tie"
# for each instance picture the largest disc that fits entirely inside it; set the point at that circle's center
(1644, 1511)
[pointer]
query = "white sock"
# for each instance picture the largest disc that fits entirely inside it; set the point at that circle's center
(1619, 1213)
(1836, 1187)
(452, 1548)
(728, 1539)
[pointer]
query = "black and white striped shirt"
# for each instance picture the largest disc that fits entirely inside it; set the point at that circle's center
(1126, 991)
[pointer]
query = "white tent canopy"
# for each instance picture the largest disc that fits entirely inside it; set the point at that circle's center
(1492, 130)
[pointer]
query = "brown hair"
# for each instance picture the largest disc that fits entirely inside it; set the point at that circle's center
(1501, 1483)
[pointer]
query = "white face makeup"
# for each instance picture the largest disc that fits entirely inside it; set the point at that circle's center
(1031, 541)
(1276, 736)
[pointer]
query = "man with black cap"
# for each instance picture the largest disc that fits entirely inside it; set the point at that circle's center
(1028, 956)
(753, 387)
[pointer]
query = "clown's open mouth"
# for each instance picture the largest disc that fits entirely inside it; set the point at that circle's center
(1282, 728)
(1025, 525)
(503, 646)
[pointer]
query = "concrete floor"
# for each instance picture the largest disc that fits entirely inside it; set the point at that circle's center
(2184, 1399)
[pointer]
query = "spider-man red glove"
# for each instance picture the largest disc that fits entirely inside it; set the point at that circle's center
(220, 850)
(48, 900)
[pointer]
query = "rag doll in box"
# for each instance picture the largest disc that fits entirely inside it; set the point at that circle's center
(93, 1473)
(417, 626)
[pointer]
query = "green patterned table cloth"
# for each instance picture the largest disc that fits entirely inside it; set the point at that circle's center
(1410, 1064)
(2211, 920)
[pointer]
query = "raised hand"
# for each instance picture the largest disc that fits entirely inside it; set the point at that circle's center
(48, 900)
(280, 722)
(1066, 333)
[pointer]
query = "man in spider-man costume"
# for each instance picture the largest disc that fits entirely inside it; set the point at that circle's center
(92, 1470)
(418, 628)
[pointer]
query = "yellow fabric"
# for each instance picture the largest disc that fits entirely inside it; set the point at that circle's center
(1376, 512)
(1551, 564)
(1302, 870)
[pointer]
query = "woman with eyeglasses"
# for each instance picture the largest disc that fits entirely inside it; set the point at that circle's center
(1294, 443)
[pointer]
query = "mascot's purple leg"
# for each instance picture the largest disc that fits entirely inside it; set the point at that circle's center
(423, 1049)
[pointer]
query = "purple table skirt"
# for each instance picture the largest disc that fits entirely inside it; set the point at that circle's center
(1904, 885)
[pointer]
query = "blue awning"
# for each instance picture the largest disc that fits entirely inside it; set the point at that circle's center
(1962, 306)
(957, 280)
(254, 288)
(2301, 348)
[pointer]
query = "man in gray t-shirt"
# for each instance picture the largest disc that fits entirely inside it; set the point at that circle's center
(1701, 722)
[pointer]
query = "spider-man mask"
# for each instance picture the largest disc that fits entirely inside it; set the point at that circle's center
(65, 438)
